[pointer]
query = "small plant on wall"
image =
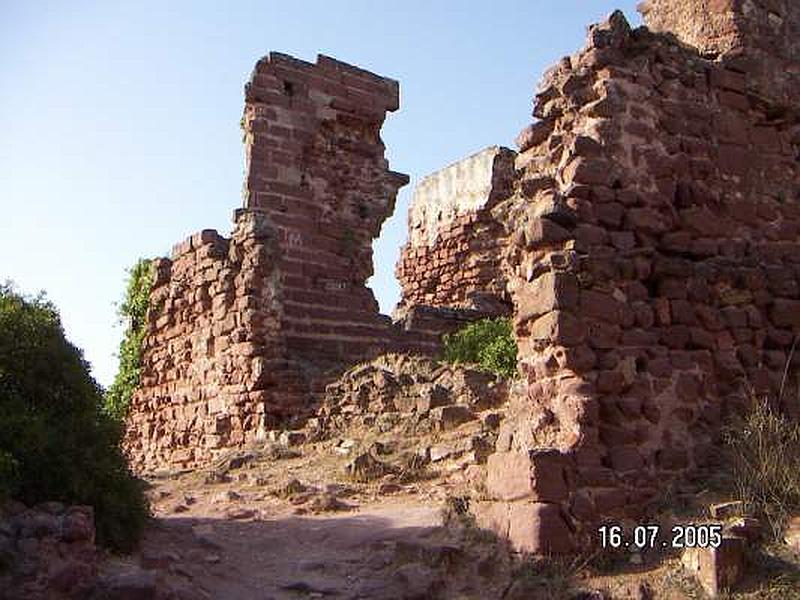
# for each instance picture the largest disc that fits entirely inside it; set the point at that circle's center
(132, 313)
(488, 343)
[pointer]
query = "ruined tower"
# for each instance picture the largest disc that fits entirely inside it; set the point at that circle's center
(317, 175)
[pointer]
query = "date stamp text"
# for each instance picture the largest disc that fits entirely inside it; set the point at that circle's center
(705, 535)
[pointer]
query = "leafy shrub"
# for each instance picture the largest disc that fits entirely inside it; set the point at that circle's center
(56, 441)
(133, 313)
(489, 343)
(765, 450)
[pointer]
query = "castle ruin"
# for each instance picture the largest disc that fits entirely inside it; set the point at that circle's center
(645, 237)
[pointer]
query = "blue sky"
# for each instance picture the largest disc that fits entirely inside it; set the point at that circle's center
(119, 121)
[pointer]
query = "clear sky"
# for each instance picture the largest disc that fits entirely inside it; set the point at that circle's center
(119, 121)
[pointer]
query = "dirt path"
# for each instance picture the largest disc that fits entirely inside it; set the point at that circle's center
(343, 555)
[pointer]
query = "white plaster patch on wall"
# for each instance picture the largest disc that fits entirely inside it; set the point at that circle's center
(461, 188)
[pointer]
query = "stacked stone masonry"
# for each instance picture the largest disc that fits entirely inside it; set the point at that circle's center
(244, 333)
(48, 552)
(759, 37)
(317, 173)
(647, 234)
(452, 258)
(654, 263)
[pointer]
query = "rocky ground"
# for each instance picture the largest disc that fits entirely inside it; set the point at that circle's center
(369, 500)
(300, 527)
(350, 506)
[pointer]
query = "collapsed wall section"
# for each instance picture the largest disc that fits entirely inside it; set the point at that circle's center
(654, 267)
(452, 257)
(244, 333)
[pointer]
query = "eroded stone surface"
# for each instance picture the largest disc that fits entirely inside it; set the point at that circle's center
(47, 551)
(242, 331)
(647, 235)
(452, 257)
(653, 255)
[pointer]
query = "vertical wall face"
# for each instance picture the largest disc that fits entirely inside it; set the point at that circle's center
(241, 331)
(316, 169)
(650, 242)
(654, 268)
(212, 353)
(452, 257)
(760, 36)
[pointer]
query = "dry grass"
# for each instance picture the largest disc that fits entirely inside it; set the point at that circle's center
(456, 513)
(546, 577)
(414, 467)
(764, 447)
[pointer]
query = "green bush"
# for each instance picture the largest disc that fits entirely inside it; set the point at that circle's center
(56, 441)
(133, 313)
(488, 343)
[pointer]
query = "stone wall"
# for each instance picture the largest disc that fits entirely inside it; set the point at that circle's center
(760, 37)
(244, 333)
(213, 356)
(654, 268)
(647, 234)
(47, 552)
(452, 257)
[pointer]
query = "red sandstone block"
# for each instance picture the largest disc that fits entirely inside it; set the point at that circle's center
(327, 83)
(625, 458)
(785, 313)
(700, 338)
(765, 138)
(734, 160)
(291, 73)
(207, 236)
(273, 98)
(733, 100)
(559, 327)
(610, 382)
(675, 336)
(717, 569)
(374, 88)
(647, 220)
(551, 291)
(536, 475)
(672, 459)
(588, 235)
(603, 335)
(588, 171)
(687, 387)
(592, 474)
(642, 338)
(537, 528)
(604, 108)
(266, 82)
(682, 312)
(601, 306)
(534, 134)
